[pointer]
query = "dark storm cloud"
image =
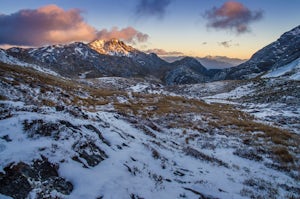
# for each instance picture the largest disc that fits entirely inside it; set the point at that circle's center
(233, 16)
(156, 8)
(51, 25)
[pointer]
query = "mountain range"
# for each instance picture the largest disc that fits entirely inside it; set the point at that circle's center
(114, 58)
(210, 62)
(105, 120)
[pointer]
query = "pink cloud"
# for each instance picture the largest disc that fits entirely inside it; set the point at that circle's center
(128, 34)
(51, 25)
(232, 15)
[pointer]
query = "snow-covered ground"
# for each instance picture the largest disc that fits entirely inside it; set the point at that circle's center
(293, 67)
(106, 153)
(137, 165)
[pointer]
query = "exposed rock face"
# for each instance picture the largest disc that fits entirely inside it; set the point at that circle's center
(112, 47)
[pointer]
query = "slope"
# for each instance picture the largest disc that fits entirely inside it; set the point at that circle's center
(62, 138)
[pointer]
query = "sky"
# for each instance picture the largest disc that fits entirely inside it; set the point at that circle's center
(167, 27)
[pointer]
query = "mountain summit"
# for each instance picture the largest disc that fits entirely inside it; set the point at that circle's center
(113, 47)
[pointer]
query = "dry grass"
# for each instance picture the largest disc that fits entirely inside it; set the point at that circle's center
(282, 154)
(2, 97)
(171, 111)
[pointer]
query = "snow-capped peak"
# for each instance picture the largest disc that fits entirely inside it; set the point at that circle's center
(112, 47)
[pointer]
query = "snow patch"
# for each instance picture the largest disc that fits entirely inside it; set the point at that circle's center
(294, 65)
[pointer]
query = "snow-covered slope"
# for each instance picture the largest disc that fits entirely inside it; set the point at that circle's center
(63, 139)
(8, 59)
(5, 58)
(292, 70)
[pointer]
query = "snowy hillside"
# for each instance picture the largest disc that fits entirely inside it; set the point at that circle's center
(63, 138)
(7, 59)
(291, 70)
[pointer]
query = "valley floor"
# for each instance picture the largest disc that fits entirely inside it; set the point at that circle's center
(126, 138)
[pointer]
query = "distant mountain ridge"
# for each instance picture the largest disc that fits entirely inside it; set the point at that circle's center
(114, 58)
(210, 62)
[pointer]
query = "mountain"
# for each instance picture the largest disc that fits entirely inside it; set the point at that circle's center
(219, 62)
(97, 59)
(290, 71)
(210, 62)
(114, 58)
(186, 71)
(150, 63)
(279, 53)
(112, 47)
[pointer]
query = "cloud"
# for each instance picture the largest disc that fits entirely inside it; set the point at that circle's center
(204, 43)
(226, 44)
(45, 25)
(51, 25)
(162, 52)
(128, 34)
(156, 8)
(233, 16)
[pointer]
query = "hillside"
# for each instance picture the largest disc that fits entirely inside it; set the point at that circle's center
(63, 138)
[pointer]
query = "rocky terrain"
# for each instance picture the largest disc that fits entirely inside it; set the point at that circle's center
(74, 131)
(279, 53)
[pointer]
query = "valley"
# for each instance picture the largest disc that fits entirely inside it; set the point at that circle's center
(76, 123)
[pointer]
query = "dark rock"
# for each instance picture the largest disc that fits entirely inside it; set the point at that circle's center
(41, 128)
(6, 138)
(16, 181)
(90, 152)
(13, 183)
(92, 128)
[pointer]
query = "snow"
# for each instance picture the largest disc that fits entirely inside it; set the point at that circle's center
(227, 96)
(138, 88)
(285, 69)
(5, 58)
(79, 50)
(296, 31)
(83, 75)
(130, 167)
(111, 178)
(5, 197)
